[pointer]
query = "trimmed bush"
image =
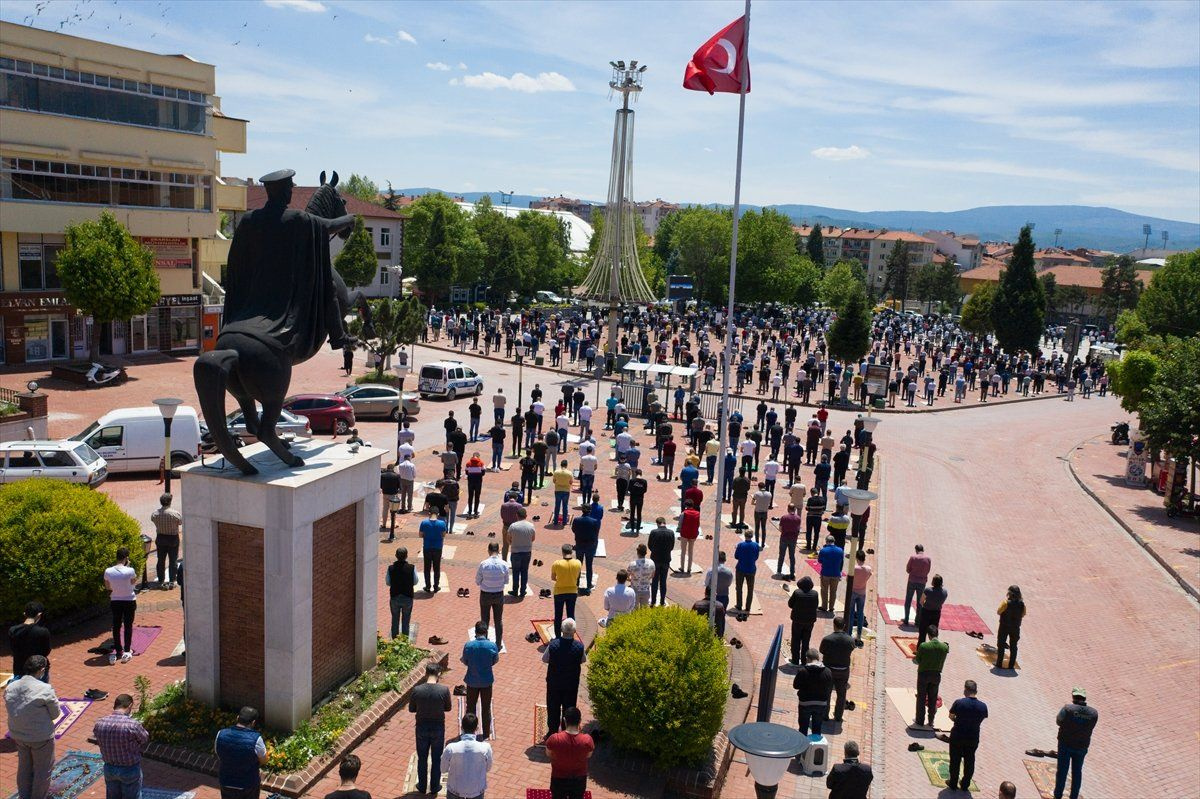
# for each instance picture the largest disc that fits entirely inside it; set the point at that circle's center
(56, 540)
(657, 682)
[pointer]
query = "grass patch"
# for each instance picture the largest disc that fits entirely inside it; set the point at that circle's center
(171, 718)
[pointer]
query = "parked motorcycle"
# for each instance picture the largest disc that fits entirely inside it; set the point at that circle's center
(100, 374)
(1120, 433)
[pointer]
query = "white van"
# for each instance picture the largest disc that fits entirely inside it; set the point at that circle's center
(132, 439)
(448, 379)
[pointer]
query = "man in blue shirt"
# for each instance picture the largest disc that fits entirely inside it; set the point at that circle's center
(746, 554)
(967, 714)
(479, 656)
(433, 534)
(688, 476)
(240, 751)
(831, 558)
(587, 534)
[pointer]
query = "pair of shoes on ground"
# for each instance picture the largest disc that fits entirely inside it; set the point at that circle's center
(437, 640)
(545, 593)
(463, 592)
(735, 643)
(737, 692)
(537, 563)
(125, 658)
(533, 638)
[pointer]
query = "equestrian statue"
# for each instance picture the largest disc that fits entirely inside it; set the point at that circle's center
(283, 300)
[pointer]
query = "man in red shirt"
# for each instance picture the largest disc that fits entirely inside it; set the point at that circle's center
(695, 495)
(689, 531)
(569, 751)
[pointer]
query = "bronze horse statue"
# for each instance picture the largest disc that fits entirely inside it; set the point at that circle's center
(283, 301)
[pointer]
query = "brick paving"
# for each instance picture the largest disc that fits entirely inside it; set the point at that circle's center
(977, 504)
(1100, 466)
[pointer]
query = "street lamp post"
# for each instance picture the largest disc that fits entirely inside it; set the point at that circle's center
(520, 348)
(167, 407)
(859, 500)
(769, 750)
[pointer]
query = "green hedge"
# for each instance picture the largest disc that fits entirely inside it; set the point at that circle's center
(56, 540)
(657, 683)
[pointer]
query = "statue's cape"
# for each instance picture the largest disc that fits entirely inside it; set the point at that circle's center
(279, 282)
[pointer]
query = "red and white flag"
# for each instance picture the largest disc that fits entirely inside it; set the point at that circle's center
(715, 66)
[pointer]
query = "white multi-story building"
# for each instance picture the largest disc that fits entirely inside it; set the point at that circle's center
(966, 249)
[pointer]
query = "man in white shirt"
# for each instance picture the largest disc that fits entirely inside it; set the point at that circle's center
(120, 580)
(746, 450)
(641, 573)
(467, 761)
(539, 408)
(619, 599)
(498, 402)
(405, 436)
(406, 450)
(562, 423)
(587, 476)
(624, 442)
(407, 471)
(770, 471)
(585, 420)
(492, 578)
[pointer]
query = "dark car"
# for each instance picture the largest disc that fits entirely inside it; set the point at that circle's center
(326, 413)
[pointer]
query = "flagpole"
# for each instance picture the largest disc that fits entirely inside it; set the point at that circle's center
(723, 412)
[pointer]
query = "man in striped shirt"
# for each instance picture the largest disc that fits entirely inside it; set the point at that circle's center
(167, 524)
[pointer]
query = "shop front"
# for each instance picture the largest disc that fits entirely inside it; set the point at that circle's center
(40, 327)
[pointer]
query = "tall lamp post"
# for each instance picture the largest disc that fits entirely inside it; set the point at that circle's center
(520, 348)
(769, 750)
(859, 500)
(167, 407)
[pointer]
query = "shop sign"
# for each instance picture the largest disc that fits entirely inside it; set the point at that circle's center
(30, 252)
(170, 252)
(20, 303)
(179, 300)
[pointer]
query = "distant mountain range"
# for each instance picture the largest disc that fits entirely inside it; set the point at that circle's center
(1082, 225)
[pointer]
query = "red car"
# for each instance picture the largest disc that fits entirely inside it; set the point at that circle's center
(326, 413)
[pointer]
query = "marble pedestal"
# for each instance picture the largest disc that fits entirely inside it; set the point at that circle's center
(280, 577)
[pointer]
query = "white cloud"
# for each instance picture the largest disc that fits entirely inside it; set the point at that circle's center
(461, 65)
(437, 66)
(310, 6)
(369, 39)
(851, 153)
(519, 82)
(405, 36)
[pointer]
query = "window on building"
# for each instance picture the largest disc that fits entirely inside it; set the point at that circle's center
(57, 182)
(385, 237)
(53, 90)
(36, 262)
(384, 276)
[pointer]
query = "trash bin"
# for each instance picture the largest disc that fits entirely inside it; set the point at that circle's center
(879, 402)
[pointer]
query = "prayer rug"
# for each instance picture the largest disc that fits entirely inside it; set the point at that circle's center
(166, 793)
(540, 723)
(544, 793)
(1043, 772)
(143, 637)
(601, 549)
(987, 653)
(545, 630)
(73, 774)
(443, 581)
(448, 551)
(69, 712)
(463, 710)
(937, 768)
(816, 566)
(677, 561)
(905, 701)
(491, 637)
(907, 644)
(955, 618)
(5, 676)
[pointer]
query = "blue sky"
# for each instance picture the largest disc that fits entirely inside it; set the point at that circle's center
(867, 106)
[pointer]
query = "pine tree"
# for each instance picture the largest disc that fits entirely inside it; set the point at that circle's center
(899, 273)
(391, 200)
(816, 246)
(356, 263)
(1019, 308)
(850, 336)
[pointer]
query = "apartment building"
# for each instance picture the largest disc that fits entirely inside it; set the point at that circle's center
(920, 252)
(652, 213)
(85, 127)
(569, 205)
(386, 229)
(831, 241)
(966, 249)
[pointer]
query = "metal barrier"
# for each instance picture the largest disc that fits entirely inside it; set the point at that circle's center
(635, 395)
(8, 395)
(770, 672)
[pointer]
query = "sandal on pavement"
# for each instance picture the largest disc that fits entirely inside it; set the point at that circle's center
(915, 747)
(437, 640)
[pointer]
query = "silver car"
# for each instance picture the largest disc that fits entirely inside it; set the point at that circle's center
(288, 423)
(379, 399)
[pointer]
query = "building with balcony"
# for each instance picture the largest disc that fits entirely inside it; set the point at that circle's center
(920, 252)
(85, 127)
(831, 241)
(386, 229)
(965, 250)
(580, 208)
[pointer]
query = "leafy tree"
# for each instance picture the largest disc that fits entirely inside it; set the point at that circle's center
(106, 273)
(1050, 290)
(925, 283)
(1169, 409)
(850, 335)
(977, 312)
(1120, 285)
(897, 280)
(768, 266)
(441, 245)
(597, 235)
(362, 187)
(391, 200)
(664, 236)
(946, 287)
(514, 259)
(552, 268)
(815, 246)
(356, 263)
(1131, 376)
(397, 322)
(1071, 298)
(701, 237)
(1134, 333)
(1019, 307)
(807, 288)
(841, 282)
(1170, 305)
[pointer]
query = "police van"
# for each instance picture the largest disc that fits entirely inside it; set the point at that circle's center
(448, 379)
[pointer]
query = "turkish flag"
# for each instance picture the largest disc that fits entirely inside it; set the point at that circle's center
(714, 67)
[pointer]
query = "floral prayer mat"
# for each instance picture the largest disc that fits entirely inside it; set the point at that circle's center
(937, 768)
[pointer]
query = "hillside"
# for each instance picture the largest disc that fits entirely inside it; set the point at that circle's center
(1082, 225)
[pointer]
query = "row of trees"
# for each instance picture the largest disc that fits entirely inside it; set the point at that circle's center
(1159, 377)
